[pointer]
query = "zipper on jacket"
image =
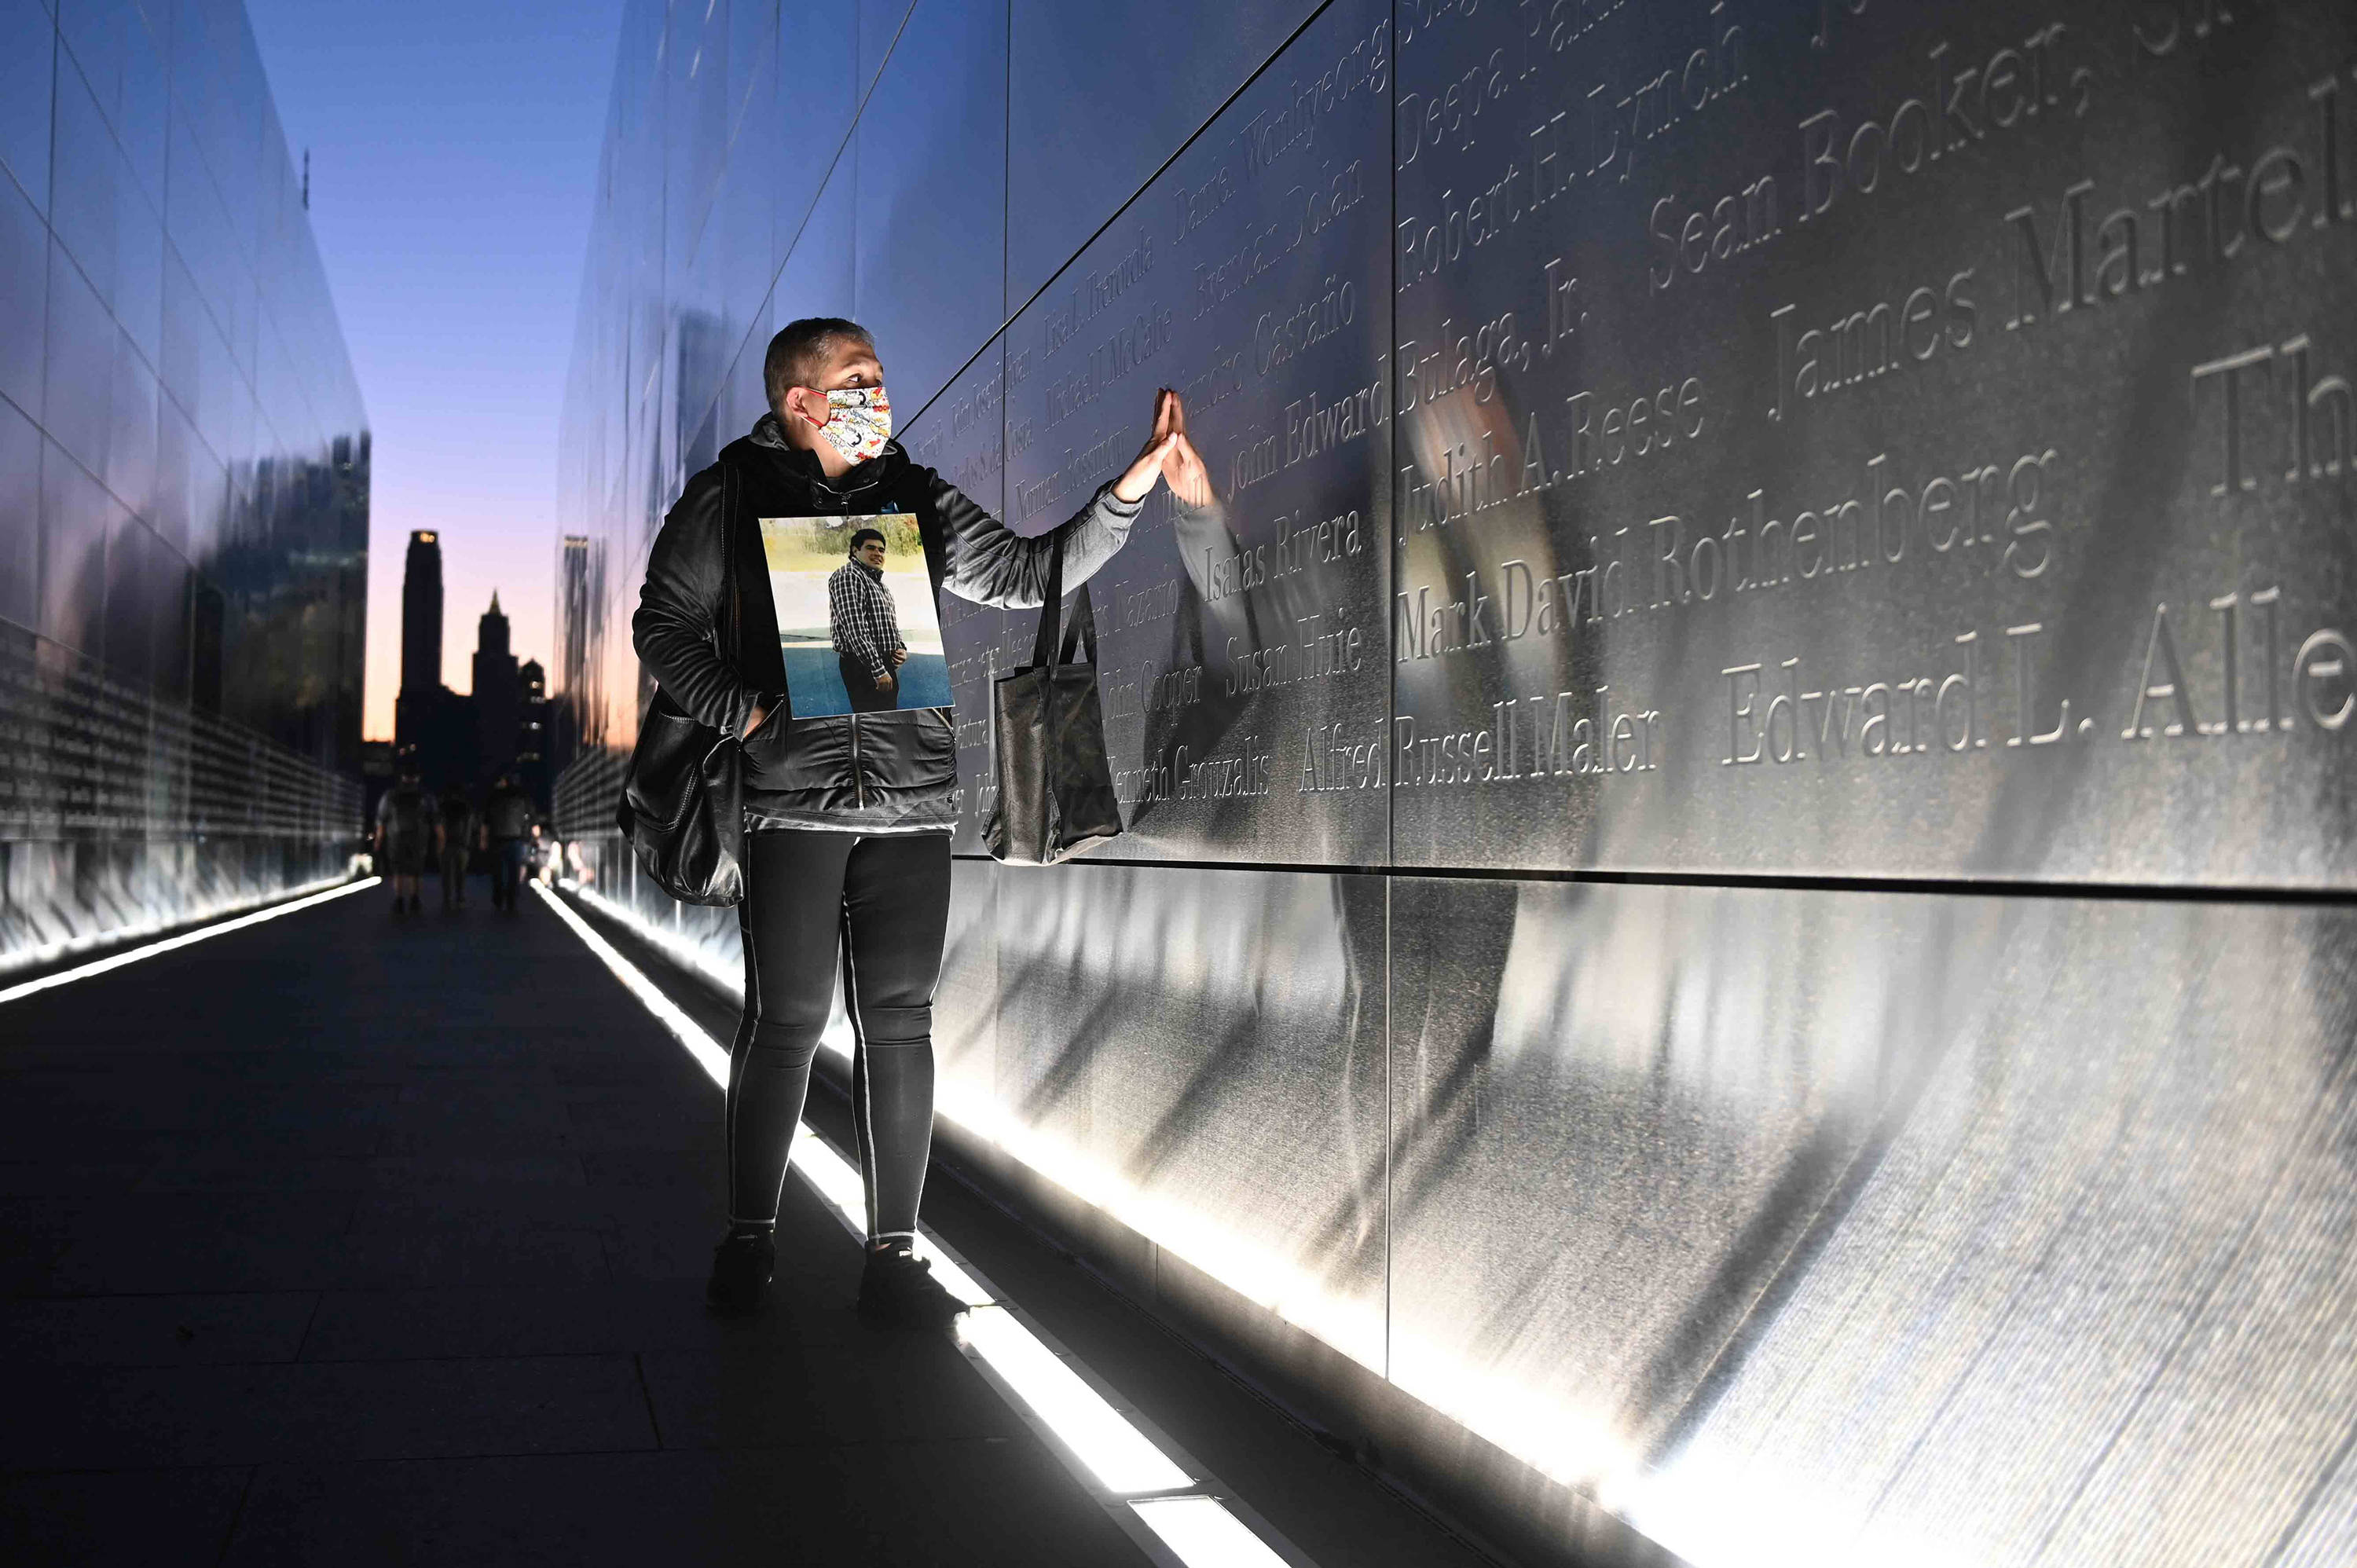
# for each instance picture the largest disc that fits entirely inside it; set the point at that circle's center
(858, 779)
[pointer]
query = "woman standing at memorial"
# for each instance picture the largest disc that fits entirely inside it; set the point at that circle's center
(847, 852)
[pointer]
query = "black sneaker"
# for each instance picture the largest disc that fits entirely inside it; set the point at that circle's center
(741, 1266)
(897, 1290)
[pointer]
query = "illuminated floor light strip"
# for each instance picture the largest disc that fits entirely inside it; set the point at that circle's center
(837, 1180)
(1127, 1466)
(835, 1041)
(680, 950)
(1116, 1453)
(186, 939)
(1199, 1530)
(684, 1029)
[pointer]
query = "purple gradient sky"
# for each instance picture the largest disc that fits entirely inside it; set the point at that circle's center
(454, 151)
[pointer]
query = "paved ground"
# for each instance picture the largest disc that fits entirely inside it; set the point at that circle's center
(347, 1240)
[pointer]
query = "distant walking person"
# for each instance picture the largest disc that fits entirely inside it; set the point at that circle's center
(847, 815)
(507, 828)
(453, 835)
(866, 625)
(404, 836)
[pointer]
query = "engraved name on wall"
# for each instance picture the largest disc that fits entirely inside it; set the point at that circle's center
(1876, 439)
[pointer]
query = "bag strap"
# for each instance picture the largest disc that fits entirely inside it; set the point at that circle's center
(1083, 627)
(1043, 645)
(732, 637)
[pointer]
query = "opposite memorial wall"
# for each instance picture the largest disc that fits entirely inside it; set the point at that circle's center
(1879, 440)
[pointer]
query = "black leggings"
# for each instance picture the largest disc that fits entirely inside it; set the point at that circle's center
(881, 904)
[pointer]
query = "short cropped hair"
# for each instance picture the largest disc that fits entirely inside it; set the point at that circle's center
(799, 351)
(862, 536)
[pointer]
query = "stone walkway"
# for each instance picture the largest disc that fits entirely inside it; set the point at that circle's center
(356, 1239)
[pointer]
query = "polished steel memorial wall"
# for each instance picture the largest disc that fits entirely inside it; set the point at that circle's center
(183, 480)
(1893, 440)
(1734, 932)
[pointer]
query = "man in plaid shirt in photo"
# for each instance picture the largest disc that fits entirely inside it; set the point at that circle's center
(866, 626)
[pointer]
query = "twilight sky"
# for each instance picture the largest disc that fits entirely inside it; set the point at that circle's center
(454, 149)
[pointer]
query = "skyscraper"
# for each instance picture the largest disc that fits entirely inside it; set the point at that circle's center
(499, 694)
(491, 632)
(421, 614)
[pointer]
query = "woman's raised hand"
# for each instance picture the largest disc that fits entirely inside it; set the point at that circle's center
(1181, 464)
(1138, 480)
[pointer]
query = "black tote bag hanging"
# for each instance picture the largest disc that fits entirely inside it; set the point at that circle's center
(682, 795)
(1055, 787)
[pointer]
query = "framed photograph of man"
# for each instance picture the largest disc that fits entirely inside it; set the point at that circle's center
(857, 621)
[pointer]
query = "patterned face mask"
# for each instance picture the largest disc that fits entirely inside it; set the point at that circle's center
(858, 421)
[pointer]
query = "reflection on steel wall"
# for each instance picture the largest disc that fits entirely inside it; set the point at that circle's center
(1843, 441)
(184, 479)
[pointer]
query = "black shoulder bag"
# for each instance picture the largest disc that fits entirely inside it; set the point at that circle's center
(1055, 787)
(683, 796)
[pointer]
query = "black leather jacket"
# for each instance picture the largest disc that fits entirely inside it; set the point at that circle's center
(882, 772)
